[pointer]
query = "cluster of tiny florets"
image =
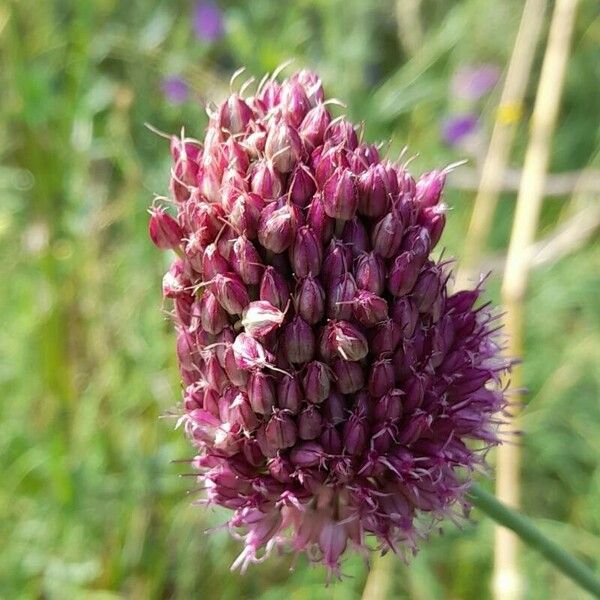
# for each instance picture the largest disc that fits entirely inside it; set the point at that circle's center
(333, 387)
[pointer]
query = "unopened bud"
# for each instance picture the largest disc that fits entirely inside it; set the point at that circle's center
(260, 318)
(316, 382)
(340, 197)
(298, 341)
(310, 300)
(277, 227)
(164, 230)
(305, 253)
(261, 393)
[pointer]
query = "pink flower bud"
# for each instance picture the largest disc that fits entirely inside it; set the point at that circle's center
(231, 293)
(369, 308)
(261, 393)
(417, 241)
(381, 377)
(260, 318)
(235, 156)
(245, 214)
(232, 185)
(340, 197)
(289, 394)
(355, 236)
(433, 218)
(337, 261)
(340, 297)
(326, 160)
(175, 283)
(183, 304)
(212, 316)
(316, 382)
(185, 155)
(318, 221)
(333, 538)
(250, 354)
(415, 387)
(334, 408)
(389, 406)
(442, 337)
(214, 373)
(188, 355)
(349, 376)
(385, 337)
(342, 133)
(277, 227)
(294, 102)
(270, 94)
(330, 439)
(311, 82)
(403, 274)
(375, 191)
(308, 454)
(234, 115)
(387, 235)
(274, 288)
(283, 147)
(462, 301)
(242, 414)
(367, 154)
(302, 186)
(370, 273)
(426, 290)
(164, 230)
(314, 125)
(280, 469)
(213, 263)
(429, 188)
(310, 300)
(252, 453)
(414, 428)
(246, 261)
(355, 435)
(237, 376)
(405, 313)
(346, 340)
(210, 401)
(404, 357)
(305, 253)
(265, 180)
(209, 181)
(298, 341)
(281, 431)
(310, 423)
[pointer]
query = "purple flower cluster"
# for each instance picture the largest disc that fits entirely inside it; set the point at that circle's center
(333, 387)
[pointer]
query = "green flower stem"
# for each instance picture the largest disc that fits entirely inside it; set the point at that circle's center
(532, 536)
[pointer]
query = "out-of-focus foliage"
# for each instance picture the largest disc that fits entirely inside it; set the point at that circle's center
(90, 503)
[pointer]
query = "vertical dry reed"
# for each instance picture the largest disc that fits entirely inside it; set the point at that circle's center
(507, 582)
(509, 112)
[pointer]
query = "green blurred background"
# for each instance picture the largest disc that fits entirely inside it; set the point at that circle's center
(91, 505)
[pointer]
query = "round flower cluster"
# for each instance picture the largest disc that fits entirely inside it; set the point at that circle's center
(333, 387)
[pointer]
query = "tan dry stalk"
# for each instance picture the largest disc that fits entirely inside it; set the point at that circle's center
(379, 579)
(508, 114)
(507, 584)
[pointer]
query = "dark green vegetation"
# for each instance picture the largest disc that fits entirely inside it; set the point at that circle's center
(90, 504)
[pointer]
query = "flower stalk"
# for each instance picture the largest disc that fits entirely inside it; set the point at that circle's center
(534, 538)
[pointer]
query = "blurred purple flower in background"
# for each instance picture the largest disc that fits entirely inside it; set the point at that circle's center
(457, 127)
(175, 89)
(208, 21)
(474, 82)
